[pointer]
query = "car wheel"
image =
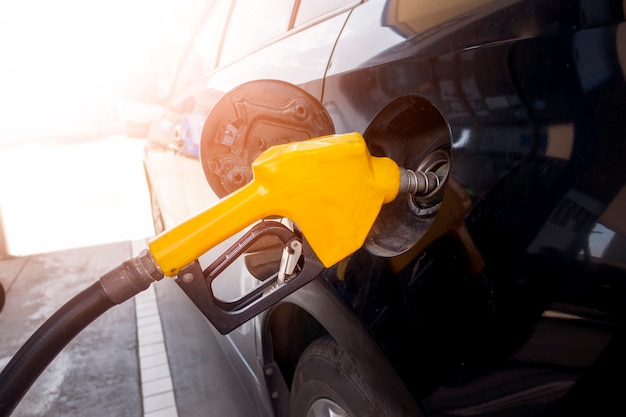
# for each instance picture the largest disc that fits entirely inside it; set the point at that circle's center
(327, 383)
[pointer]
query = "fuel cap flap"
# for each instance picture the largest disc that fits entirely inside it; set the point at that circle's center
(251, 118)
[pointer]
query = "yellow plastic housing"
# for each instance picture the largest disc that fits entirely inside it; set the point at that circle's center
(331, 187)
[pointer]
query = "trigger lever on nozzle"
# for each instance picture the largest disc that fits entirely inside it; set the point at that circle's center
(299, 266)
(289, 261)
(290, 256)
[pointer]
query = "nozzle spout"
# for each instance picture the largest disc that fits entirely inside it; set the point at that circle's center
(418, 182)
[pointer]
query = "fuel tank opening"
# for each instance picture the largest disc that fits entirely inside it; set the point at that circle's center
(413, 133)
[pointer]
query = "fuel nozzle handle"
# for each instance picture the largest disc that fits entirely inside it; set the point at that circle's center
(331, 187)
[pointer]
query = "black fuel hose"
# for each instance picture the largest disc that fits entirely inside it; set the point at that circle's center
(115, 287)
(46, 343)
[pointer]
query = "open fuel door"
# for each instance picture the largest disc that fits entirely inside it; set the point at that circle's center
(251, 118)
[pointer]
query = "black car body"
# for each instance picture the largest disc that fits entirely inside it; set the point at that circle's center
(512, 302)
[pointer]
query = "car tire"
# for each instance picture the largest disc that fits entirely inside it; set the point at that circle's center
(327, 383)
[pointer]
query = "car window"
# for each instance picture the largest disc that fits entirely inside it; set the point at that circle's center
(311, 9)
(253, 23)
(204, 48)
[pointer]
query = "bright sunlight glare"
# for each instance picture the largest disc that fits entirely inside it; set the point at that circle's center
(61, 63)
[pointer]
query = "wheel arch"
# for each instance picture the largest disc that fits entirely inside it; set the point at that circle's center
(306, 315)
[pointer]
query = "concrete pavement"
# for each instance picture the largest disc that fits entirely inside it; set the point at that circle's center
(107, 370)
(97, 372)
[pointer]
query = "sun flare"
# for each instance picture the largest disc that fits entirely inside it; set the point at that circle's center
(61, 64)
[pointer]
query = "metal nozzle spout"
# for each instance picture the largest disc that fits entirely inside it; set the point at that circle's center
(404, 221)
(418, 182)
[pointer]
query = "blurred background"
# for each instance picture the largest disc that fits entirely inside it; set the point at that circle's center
(69, 176)
(61, 61)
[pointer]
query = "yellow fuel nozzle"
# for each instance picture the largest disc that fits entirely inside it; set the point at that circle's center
(331, 187)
